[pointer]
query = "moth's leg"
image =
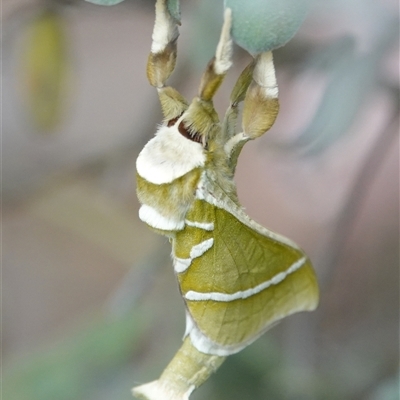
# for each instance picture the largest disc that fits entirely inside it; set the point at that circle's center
(237, 96)
(201, 117)
(260, 107)
(261, 103)
(162, 60)
(220, 64)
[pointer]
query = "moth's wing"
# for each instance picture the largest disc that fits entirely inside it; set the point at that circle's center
(245, 282)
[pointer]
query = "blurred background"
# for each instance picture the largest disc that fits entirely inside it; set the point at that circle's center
(90, 303)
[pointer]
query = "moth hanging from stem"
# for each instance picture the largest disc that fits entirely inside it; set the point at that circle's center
(237, 278)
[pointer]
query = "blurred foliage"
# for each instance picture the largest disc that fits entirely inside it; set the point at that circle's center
(70, 370)
(45, 69)
(351, 79)
(387, 390)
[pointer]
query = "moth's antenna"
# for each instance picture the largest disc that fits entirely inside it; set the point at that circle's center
(220, 64)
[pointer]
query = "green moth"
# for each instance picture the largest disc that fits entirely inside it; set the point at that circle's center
(237, 278)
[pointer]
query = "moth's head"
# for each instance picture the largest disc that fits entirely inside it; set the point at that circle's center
(197, 122)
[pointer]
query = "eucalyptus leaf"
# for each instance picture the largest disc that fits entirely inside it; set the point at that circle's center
(352, 78)
(174, 9)
(105, 2)
(348, 87)
(263, 25)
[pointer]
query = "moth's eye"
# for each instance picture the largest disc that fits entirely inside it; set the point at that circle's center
(194, 137)
(173, 121)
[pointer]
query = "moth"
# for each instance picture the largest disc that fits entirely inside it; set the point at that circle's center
(237, 278)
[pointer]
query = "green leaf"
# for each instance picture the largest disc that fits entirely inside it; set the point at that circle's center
(174, 9)
(105, 2)
(263, 25)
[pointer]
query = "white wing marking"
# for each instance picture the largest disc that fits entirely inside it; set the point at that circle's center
(244, 294)
(199, 249)
(182, 264)
(207, 226)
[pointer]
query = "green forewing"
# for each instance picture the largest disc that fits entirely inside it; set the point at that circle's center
(240, 259)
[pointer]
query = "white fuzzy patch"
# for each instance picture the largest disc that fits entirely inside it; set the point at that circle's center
(181, 264)
(199, 249)
(152, 217)
(165, 29)
(168, 156)
(264, 75)
(243, 294)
